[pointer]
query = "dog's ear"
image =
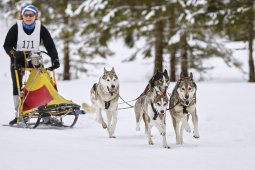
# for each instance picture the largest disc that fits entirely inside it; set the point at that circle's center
(181, 76)
(165, 72)
(105, 70)
(151, 83)
(191, 76)
(113, 70)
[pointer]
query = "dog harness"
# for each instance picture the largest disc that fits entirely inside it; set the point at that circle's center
(155, 111)
(185, 111)
(107, 104)
(156, 114)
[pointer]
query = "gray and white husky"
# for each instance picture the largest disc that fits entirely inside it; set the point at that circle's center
(159, 82)
(152, 109)
(104, 96)
(151, 106)
(182, 104)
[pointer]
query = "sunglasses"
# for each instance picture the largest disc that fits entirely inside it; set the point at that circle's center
(28, 15)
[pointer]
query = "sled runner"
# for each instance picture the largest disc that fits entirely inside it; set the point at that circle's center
(39, 100)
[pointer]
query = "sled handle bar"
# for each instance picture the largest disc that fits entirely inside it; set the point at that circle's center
(45, 53)
(27, 53)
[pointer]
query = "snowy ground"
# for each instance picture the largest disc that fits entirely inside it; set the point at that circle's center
(226, 124)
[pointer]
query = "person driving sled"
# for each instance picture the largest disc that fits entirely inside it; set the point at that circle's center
(26, 36)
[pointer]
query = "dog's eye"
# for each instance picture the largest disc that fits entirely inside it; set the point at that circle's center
(183, 88)
(189, 88)
(165, 104)
(158, 104)
(108, 79)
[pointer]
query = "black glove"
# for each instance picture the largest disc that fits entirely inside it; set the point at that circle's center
(12, 53)
(55, 65)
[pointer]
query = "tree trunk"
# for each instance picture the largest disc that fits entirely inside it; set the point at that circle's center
(66, 75)
(158, 63)
(172, 64)
(184, 56)
(250, 41)
(172, 47)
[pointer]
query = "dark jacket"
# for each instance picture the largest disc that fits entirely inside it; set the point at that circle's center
(11, 39)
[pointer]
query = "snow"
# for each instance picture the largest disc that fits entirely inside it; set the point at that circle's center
(69, 10)
(226, 125)
(108, 17)
(175, 38)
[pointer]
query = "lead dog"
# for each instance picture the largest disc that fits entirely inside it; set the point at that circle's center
(182, 104)
(104, 96)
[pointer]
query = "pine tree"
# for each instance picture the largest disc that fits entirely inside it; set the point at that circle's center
(237, 21)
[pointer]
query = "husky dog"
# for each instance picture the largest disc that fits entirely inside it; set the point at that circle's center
(182, 104)
(159, 82)
(152, 109)
(104, 95)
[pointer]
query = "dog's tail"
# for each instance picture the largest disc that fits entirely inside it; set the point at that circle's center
(87, 108)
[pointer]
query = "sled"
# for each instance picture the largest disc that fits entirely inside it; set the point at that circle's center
(39, 100)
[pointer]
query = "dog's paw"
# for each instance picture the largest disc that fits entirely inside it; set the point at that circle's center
(163, 133)
(137, 128)
(187, 128)
(104, 125)
(196, 136)
(151, 142)
(179, 142)
(166, 146)
(112, 136)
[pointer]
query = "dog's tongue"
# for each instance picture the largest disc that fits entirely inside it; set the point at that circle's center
(111, 91)
(161, 116)
(163, 90)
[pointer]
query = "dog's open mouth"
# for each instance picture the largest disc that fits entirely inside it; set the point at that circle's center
(161, 116)
(163, 89)
(111, 90)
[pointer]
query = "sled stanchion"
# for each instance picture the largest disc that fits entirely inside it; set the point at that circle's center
(54, 78)
(19, 93)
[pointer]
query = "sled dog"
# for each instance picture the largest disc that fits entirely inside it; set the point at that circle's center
(159, 82)
(104, 96)
(182, 104)
(152, 109)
